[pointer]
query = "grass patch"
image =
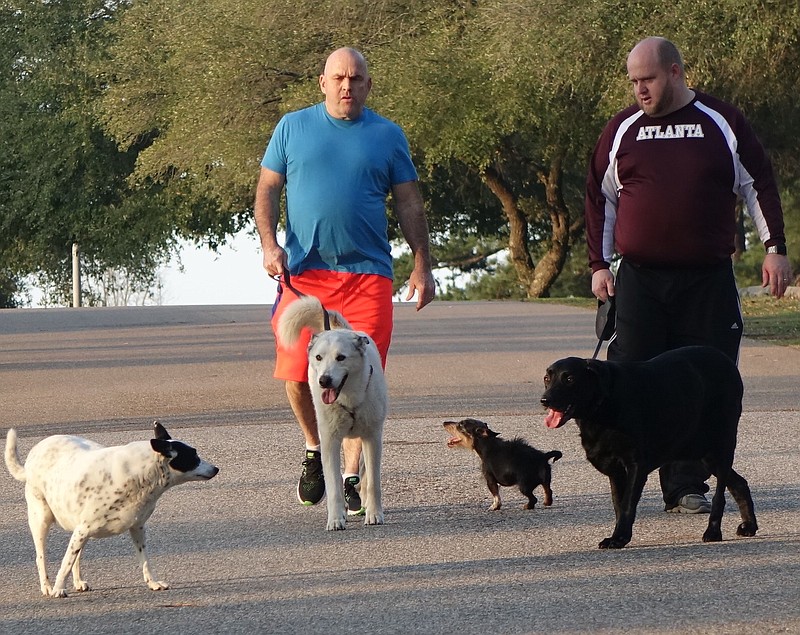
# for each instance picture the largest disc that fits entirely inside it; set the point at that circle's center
(771, 320)
(765, 318)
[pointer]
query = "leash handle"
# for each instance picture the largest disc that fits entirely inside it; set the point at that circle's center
(284, 279)
(605, 322)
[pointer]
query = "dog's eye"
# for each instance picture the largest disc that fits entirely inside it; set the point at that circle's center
(569, 379)
(546, 381)
(319, 358)
(341, 358)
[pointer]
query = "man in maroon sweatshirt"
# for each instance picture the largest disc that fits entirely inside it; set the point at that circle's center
(661, 196)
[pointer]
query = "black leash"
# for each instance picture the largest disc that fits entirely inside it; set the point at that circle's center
(285, 279)
(597, 349)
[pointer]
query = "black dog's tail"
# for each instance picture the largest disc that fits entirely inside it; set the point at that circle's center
(555, 455)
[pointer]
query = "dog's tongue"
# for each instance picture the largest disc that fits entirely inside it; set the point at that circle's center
(553, 418)
(328, 395)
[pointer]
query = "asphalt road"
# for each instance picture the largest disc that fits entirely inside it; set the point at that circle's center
(243, 556)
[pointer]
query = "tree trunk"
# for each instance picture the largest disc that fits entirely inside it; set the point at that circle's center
(518, 225)
(552, 262)
(536, 278)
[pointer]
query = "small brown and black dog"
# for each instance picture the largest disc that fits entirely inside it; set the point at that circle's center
(504, 462)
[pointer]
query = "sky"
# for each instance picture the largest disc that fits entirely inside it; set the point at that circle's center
(233, 276)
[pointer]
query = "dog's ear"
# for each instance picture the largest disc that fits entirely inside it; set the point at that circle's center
(337, 320)
(595, 370)
(312, 341)
(160, 431)
(596, 367)
(163, 446)
(362, 342)
(599, 374)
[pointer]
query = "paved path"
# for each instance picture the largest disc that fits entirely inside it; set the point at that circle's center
(243, 556)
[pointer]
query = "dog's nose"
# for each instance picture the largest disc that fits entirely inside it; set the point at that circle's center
(544, 401)
(325, 381)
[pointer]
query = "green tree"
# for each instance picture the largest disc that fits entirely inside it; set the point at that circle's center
(517, 92)
(63, 180)
(502, 100)
(497, 106)
(10, 289)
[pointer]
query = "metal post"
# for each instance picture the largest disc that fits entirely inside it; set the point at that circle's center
(76, 276)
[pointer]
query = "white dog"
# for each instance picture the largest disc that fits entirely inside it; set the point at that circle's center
(95, 492)
(350, 399)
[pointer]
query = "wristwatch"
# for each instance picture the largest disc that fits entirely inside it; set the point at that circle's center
(780, 248)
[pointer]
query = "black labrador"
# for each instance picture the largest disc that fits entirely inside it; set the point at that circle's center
(635, 416)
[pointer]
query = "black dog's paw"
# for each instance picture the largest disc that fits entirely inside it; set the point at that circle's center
(747, 529)
(712, 535)
(613, 543)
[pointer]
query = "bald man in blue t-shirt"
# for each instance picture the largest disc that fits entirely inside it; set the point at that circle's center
(338, 162)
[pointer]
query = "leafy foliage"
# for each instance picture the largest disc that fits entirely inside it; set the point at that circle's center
(64, 180)
(126, 125)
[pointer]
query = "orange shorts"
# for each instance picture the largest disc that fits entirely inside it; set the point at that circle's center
(365, 300)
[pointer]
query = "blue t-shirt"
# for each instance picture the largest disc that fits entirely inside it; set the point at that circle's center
(338, 175)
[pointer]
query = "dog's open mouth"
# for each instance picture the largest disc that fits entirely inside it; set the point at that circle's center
(557, 418)
(455, 439)
(329, 395)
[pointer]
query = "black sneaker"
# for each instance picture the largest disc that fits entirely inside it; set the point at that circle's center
(311, 487)
(352, 500)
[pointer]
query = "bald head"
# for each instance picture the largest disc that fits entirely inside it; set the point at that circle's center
(660, 50)
(346, 55)
(346, 83)
(656, 71)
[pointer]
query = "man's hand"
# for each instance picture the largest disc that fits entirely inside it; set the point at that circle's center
(603, 284)
(776, 274)
(422, 283)
(275, 260)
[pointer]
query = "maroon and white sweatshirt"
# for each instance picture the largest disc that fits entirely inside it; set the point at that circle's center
(662, 191)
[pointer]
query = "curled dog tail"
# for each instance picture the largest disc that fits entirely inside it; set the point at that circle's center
(12, 460)
(306, 312)
(555, 455)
